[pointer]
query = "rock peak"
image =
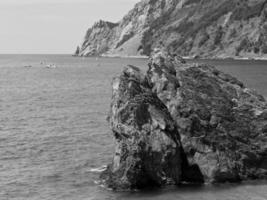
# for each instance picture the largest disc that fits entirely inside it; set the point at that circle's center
(102, 23)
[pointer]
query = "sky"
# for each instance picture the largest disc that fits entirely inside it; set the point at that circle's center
(53, 26)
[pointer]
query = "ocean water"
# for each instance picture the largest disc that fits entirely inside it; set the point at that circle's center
(54, 134)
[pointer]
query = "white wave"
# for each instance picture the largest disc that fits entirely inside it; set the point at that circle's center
(99, 169)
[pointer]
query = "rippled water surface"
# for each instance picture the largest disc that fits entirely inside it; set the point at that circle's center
(53, 130)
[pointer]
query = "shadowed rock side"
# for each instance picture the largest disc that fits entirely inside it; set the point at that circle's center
(148, 148)
(222, 125)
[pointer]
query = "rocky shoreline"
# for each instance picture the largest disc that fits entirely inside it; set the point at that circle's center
(184, 123)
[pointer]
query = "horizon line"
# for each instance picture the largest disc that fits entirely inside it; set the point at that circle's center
(36, 54)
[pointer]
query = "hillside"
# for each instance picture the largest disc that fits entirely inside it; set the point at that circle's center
(194, 28)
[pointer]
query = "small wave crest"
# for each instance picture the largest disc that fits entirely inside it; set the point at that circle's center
(99, 169)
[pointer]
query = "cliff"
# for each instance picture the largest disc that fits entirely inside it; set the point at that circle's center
(184, 123)
(195, 28)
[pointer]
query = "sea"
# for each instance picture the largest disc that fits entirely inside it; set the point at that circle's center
(54, 137)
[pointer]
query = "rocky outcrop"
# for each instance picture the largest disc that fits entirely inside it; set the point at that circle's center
(148, 147)
(76, 53)
(185, 123)
(194, 28)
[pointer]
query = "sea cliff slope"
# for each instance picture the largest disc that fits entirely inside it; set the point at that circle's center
(193, 28)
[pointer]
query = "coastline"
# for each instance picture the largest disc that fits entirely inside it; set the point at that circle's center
(184, 57)
(123, 56)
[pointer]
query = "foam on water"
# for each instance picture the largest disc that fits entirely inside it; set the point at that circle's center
(99, 169)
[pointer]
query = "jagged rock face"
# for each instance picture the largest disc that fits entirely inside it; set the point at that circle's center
(221, 122)
(97, 39)
(148, 148)
(210, 28)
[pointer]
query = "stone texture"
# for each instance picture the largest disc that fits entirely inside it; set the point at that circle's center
(221, 122)
(148, 148)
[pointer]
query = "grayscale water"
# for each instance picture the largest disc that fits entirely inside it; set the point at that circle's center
(53, 129)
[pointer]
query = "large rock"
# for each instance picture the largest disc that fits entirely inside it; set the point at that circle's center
(223, 124)
(185, 123)
(148, 147)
